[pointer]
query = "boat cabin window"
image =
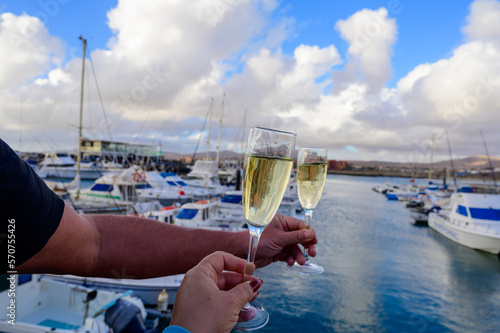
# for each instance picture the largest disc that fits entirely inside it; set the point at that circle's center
(485, 213)
(128, 192)
(143, 186)
(171, 183)
(462, 210)
(102, 188)
(187, 214)
(234, 199)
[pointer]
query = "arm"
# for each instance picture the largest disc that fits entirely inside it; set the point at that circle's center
(132, 247)
(127, 247)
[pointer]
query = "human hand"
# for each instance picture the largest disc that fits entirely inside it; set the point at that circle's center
(280, 239)
(212, 294)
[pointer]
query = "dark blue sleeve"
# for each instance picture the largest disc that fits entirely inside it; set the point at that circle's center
(29, 210)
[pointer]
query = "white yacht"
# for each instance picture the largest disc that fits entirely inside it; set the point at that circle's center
(129, 187)
(34, 303)
(205, 175)
(204, 214)
(145, 289)
(61, 165)
(473, 220)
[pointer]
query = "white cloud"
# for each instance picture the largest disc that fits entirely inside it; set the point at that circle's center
(370, 35)
(484, 21)
(28, 49)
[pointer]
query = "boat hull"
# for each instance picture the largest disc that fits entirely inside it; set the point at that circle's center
(419, 218)
(468, 238)
(70, 173)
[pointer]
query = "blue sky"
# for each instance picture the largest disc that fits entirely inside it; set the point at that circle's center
(427, 30)
(430, 67)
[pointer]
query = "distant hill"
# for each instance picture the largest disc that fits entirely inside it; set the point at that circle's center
(468, 163)
(223, 155)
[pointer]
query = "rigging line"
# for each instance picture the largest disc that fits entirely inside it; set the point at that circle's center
(451, 162)
(142, 127)
(52, 110)
(489, 162)
(100, 96)
(199, 138)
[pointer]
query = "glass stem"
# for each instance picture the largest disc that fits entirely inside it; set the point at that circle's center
(255, 233)
(307, 220)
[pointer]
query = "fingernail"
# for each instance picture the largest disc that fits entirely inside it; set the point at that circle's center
(255, 285)
(309, 234)
(261, 282)
(249, 268)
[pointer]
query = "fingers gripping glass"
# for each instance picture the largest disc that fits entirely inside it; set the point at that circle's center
(266, 172)
(311, 176)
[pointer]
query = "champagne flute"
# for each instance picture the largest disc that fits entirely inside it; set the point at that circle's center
(266, 172)
(311, 176)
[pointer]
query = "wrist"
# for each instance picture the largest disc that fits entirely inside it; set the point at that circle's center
(240, 247)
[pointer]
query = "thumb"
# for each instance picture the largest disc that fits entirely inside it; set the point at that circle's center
(244, 292)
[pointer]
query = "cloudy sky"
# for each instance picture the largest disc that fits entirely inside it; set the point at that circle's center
(369, 80)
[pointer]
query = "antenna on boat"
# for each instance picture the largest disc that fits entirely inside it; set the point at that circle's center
(451, 161)
(489, 162)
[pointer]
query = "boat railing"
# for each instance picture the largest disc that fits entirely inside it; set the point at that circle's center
(482, 227)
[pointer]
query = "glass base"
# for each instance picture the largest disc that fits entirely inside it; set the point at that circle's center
(307, 269)
(252, 317)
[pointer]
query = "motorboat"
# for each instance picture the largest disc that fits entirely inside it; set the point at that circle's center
(155, 187)
(420, 210)
(205, 175)
(204, 214)
(127, 188)
(473, 220)
(63, 166)
(145, 289)
(175, 182)
(35, 303)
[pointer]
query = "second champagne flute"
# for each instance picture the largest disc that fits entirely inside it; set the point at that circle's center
(266, 172)
(311, 176)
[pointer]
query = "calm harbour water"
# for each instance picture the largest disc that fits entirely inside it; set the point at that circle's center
(382, 273)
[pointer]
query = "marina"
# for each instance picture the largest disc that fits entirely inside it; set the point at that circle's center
(383, 272)
(217, 115)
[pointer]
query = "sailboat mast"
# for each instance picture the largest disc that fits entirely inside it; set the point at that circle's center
(79, 149)
(209, 128)
(451, 162)
(432, 156)
(220, 126)
(489, 162)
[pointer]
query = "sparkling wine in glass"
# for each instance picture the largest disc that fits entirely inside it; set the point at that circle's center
(266, 172)
(311, 176)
